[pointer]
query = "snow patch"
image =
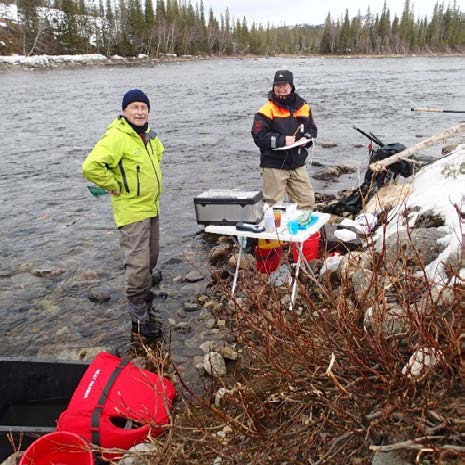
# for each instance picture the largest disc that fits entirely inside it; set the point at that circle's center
(437, 187)
(9, 11)
(47, 60)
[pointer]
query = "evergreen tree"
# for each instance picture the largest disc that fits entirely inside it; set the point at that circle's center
(81, 8)
(30, 25)
(327, 40)
(421, 36)
(135, 27)
(344, 39)
(149, 15)
(107, 34)
(172, 11)
(384, 31)
(356, 31)
(227, 39)
(366, 36)
(86, 27)
(244, 37)
(68, 30)
(202, 27)
(124, 46)
(407, 28)
(149, 29)
(213, 33)
(395, 35)
(161, 28)
(160, 11)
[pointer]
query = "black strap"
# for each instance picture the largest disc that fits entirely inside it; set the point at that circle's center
(97, 412)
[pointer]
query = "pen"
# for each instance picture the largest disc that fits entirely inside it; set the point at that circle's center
(299, 128)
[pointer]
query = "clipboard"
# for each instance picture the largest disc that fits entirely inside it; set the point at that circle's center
(303, 141)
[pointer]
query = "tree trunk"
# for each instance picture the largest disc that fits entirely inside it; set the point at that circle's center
(441, 137)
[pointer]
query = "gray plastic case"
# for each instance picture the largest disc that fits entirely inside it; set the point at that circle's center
(228, 207)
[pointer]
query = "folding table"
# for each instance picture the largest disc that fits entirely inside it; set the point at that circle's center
(282, 234)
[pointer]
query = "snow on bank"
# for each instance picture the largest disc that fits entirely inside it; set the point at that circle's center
(50, 60)
(9, 11)
(437, 187)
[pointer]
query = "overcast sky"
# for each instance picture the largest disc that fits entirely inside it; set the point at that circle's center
(290, 12)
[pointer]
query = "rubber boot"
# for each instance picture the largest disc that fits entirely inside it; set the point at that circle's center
(141, 324)
(148, 330)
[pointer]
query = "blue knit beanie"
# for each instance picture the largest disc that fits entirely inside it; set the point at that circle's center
(135, 95)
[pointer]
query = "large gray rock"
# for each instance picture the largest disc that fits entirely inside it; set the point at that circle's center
(423, 244)
(354, 261)
(390, 458)
(214, 365)
(100, 294)
(361, 281)
(328, 174)
(193, 276)
(389, 319)
(429, 219)
(132, 457)
(247, 261)
(219, 253)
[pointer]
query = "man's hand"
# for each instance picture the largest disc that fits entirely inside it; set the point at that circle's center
(115, 193)
(290, 140)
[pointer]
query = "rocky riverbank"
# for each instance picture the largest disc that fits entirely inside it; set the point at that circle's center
(376, 318)
(370, 365)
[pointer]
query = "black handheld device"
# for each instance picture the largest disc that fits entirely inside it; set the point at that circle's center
(255, 228)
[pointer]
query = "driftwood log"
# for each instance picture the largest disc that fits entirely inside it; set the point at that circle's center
(437, 110)
(441, 137)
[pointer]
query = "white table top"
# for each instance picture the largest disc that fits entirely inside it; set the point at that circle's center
(281, 233)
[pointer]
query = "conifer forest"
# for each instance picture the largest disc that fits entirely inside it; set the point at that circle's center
(160, 27)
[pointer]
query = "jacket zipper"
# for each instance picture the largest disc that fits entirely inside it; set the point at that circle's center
(123, 175)
(154, 170)
(138, 181)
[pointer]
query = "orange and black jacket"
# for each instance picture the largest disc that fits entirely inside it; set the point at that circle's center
(273, 122)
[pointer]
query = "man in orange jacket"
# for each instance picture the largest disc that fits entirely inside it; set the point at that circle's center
(282, 121)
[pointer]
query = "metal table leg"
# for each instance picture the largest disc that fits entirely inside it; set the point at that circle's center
(299, 247)
(242, 241)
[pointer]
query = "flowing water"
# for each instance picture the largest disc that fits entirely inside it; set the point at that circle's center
(50, 225)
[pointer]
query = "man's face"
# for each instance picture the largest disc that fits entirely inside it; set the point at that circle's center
(137, 113)
(281, 89)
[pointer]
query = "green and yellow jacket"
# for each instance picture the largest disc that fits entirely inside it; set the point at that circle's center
(121, 161)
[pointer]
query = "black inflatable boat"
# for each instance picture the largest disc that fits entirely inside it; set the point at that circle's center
(33, 393)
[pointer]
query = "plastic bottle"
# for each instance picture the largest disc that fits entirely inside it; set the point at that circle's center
(268, 220)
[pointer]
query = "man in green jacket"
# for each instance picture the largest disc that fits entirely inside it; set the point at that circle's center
(126, 162)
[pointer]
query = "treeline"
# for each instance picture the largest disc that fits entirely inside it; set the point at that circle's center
(132, 27)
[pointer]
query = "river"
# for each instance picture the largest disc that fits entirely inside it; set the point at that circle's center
(203, 111)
